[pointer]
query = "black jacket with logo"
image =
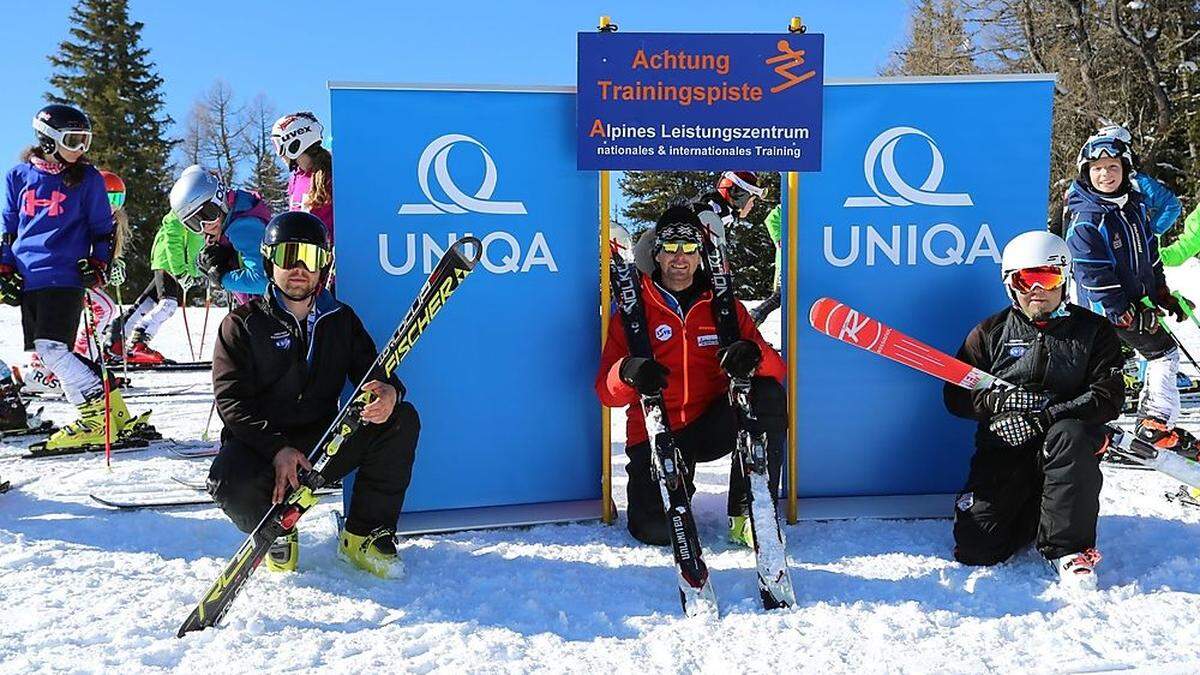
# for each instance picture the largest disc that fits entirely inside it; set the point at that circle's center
(275, 384)
(1074, 359)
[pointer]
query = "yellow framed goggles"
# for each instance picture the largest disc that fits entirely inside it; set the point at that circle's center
(291, 254)
(673, 247)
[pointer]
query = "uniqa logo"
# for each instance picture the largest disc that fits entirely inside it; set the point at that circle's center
(882, 151)
(941, 244)
(502, 251)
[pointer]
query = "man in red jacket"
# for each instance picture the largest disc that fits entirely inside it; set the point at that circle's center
(693, 374)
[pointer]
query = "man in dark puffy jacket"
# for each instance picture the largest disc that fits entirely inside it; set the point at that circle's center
(693, 375)
(1119, 275)
(279, 366)
(1035, 475)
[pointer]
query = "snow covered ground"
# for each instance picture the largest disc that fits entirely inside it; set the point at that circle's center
(85, 589)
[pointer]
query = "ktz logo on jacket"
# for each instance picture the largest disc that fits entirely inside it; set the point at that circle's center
(283, 340)
(31, 203)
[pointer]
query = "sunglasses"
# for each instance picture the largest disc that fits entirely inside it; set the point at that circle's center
(207, 213)
(116, 199)
(673, 247)
(1024, 281)
(291, 254)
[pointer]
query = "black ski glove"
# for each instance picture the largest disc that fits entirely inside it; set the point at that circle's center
(1018, 415)
(11, 285)
(1017, 428)
(215, 260)
(1167, 301)
(1142, 320)
(646, 375)
(740, 359)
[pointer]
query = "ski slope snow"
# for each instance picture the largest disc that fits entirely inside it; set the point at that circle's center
(88, 589)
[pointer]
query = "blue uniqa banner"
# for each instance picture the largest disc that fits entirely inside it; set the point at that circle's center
(502, 378)
(700, 102)
(922, 185)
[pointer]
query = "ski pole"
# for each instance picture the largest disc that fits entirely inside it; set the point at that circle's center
(1187, 307)
(208, 422)
(1162, 321)
(186, 328)
(204, 328)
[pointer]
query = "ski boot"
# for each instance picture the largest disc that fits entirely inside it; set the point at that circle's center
(1155, 431)
(142, 353)
(1078, 570)
(284, 554)
(13, 416)
(740, 531)
(1189, 445)
(374, 553)
(89, 430)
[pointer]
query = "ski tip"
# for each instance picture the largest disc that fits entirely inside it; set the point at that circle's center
(469, 249)
(821, 311)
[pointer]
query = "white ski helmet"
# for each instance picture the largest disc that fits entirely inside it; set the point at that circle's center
(1038, 248)
(198, 197)
(295, 133)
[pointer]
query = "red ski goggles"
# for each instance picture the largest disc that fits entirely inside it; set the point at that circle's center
(1049, 278)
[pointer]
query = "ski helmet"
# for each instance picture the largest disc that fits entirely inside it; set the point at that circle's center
(115, 187)
(295, 133)
(1099, 146)
(1035, 258)
(198, 197)
(1122, 134)
(62, 126)
(736, 187)
(297, 237)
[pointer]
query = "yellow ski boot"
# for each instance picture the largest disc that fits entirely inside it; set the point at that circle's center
(284, 555)
(374, 553)
(88, 430)
(740, 531)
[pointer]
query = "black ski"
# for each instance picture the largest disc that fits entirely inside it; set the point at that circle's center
(695, 588)
(770, 547)
(165, 366)
(449, 274)
(154, 503)
(195, 453)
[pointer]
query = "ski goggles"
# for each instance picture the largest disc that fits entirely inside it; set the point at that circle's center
(116, 199)
(74, 140)
(673, 247)
(1025, 280)
(1104, 146)
(207, 213)
(291, 254)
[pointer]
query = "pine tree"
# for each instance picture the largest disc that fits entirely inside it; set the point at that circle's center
(937, 43)
(103, 70)
(751, 252)
(266, 175)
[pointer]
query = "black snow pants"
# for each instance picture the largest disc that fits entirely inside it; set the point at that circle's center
(1046, 490)
(711, 436)
(241, 480)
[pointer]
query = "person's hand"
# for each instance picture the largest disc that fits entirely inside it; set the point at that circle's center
(1000, 399)
(380, 408)
(1166, 300)
(647, 376)
(94, 271)
(1139, 320)
(1018, 428)
(11, 285)
(287, 462)
(740, 359)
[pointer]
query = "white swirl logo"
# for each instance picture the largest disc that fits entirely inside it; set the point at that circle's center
(883, 151)
(437, 154)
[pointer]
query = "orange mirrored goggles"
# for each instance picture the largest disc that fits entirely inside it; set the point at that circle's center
(673, 247)
(1049, 278)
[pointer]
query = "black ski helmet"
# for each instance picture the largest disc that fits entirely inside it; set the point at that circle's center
(294, 226)
(59, 118)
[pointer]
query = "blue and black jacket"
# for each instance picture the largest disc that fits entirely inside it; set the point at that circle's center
(1114, 251)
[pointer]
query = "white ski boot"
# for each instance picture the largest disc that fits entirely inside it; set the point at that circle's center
(1078, 570)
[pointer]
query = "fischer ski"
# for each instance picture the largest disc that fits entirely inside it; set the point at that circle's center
(453, 268)
(695, 589)
(770, 546)
(841, 322)
(181, 502)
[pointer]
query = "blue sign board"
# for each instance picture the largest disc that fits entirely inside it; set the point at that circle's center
(700, 102)
(922, 185)
(502, 379)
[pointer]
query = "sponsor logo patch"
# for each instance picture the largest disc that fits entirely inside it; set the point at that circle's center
(965, 501)
(663, 332)
(282, 340)
(707, 340)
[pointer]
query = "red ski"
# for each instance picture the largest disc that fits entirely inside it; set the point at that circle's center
(844, 323)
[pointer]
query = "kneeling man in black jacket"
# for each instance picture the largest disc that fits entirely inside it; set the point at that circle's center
(279, 365)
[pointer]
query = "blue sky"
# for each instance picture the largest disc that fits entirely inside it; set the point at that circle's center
(290, 50)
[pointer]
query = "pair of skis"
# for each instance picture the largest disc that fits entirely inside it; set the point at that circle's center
(695, 588)
(841, 322)
(455, 265)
